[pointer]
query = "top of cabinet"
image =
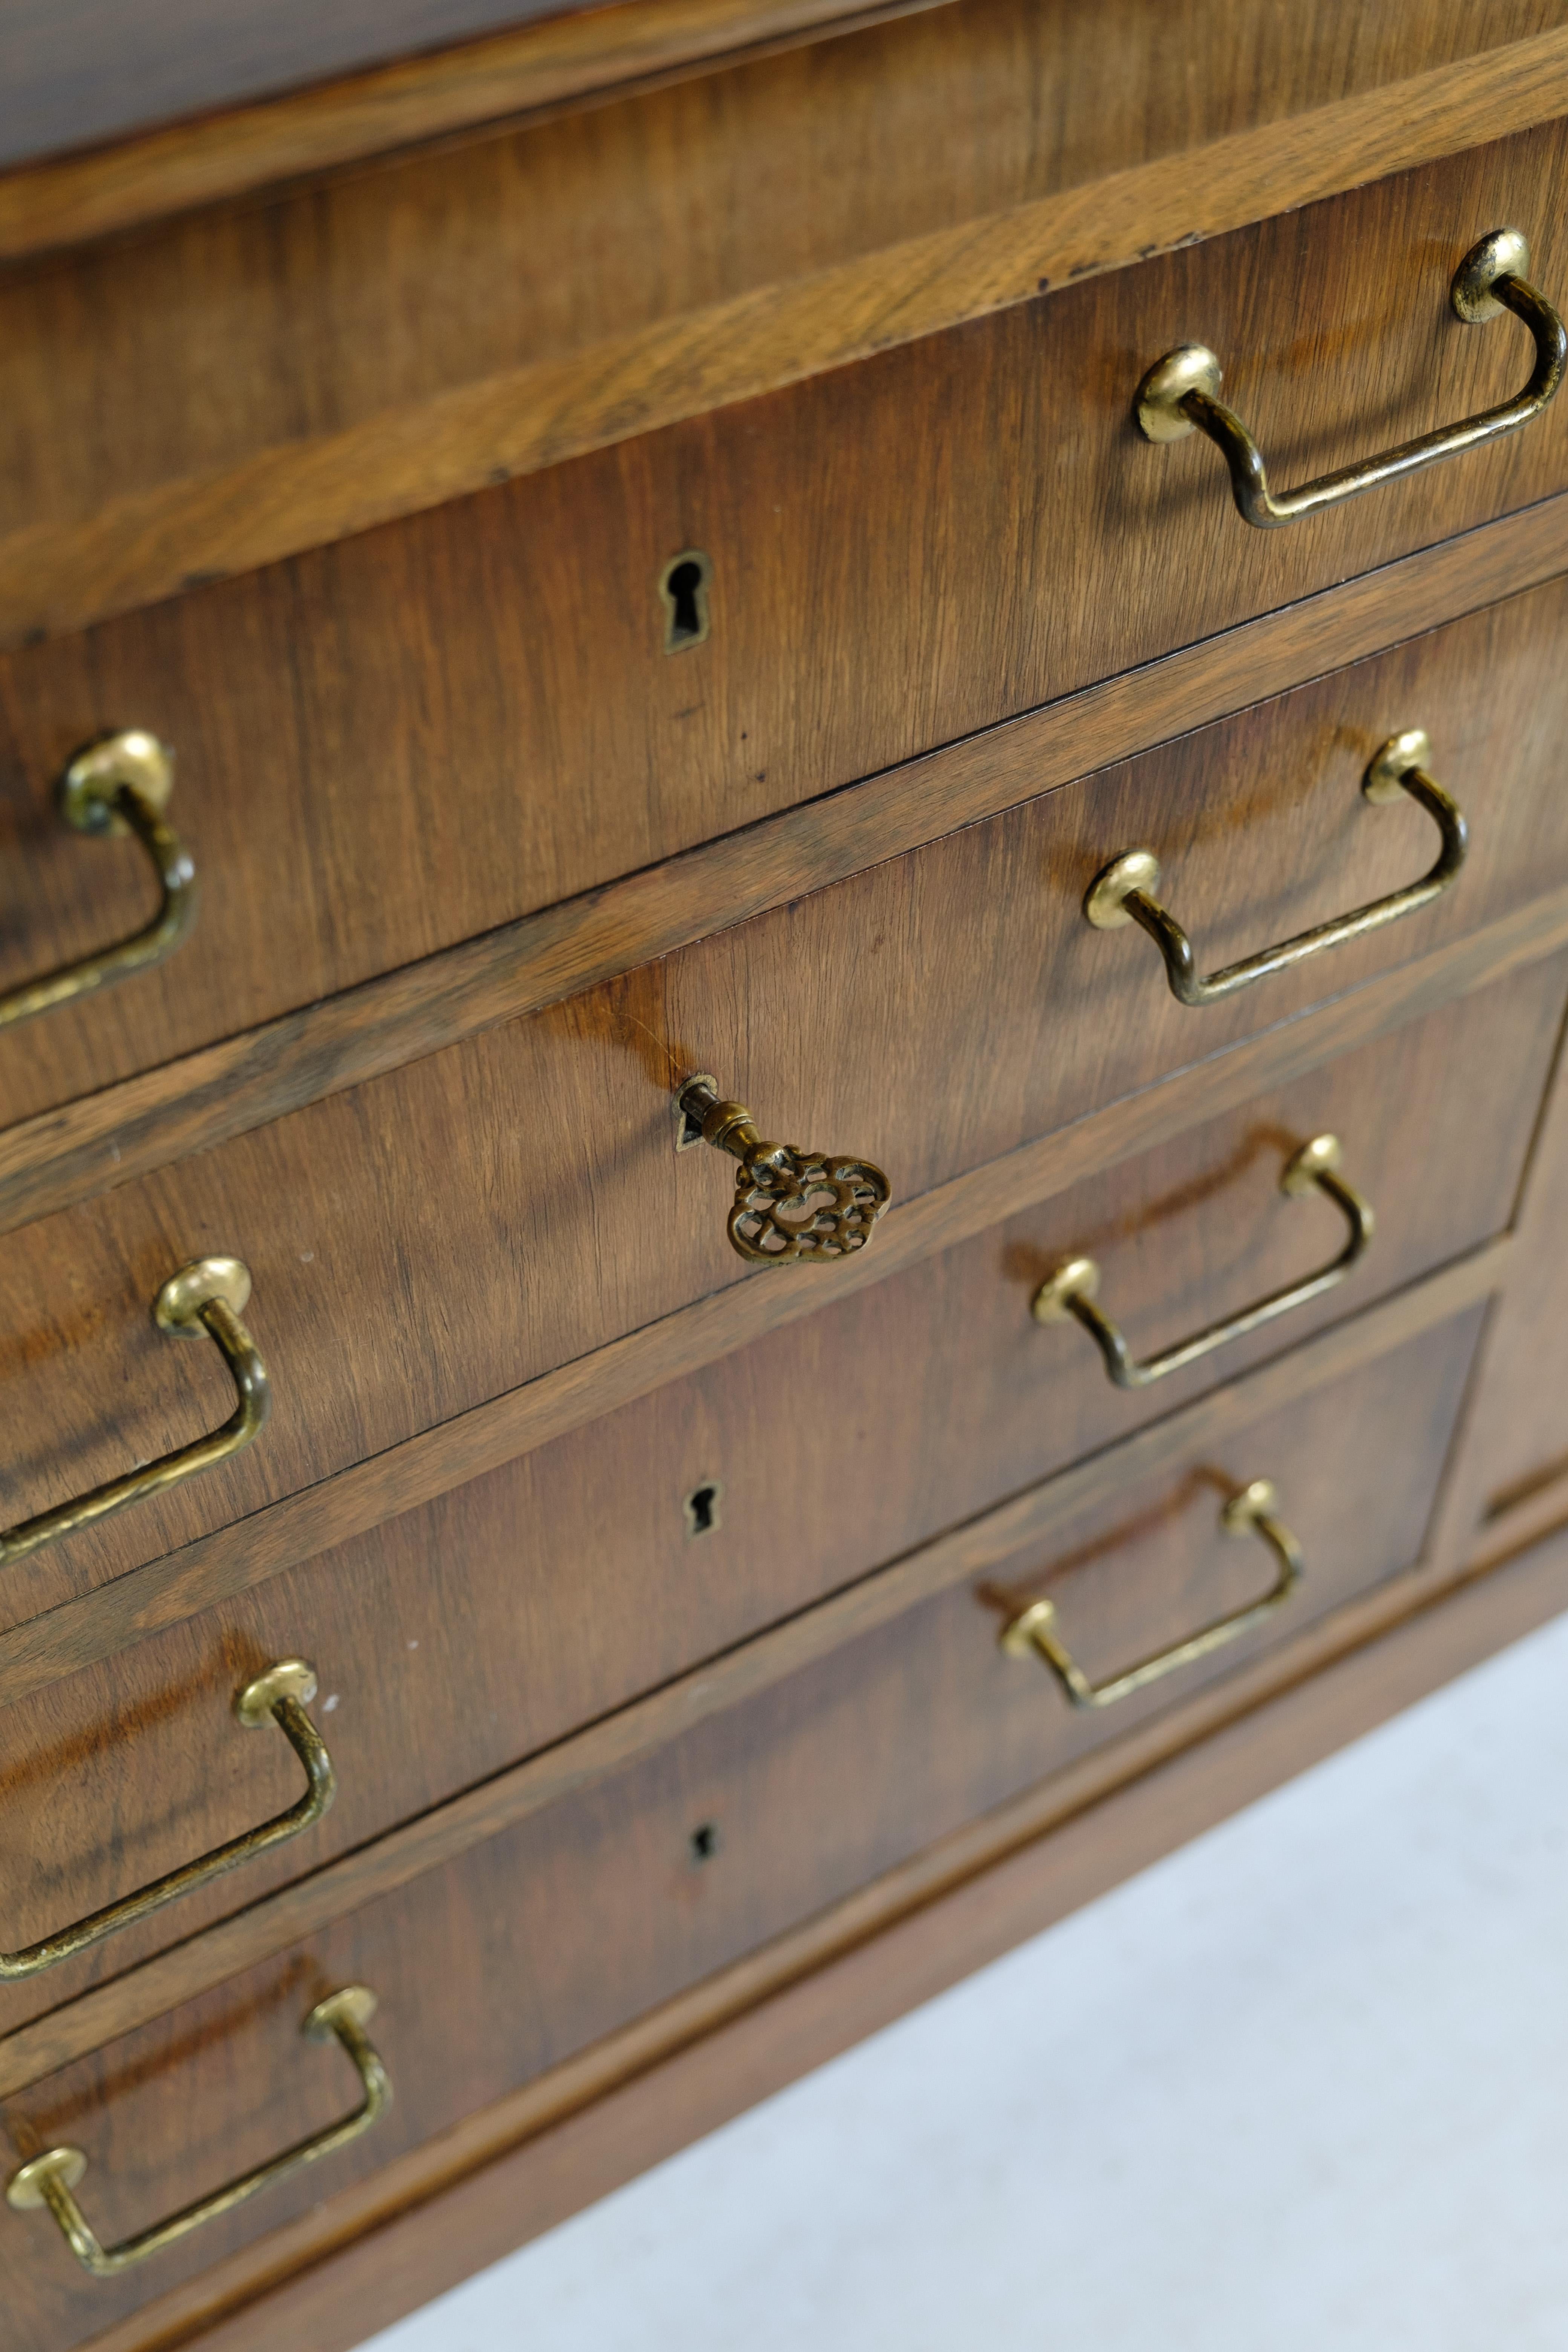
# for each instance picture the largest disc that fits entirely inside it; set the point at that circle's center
(78, 73)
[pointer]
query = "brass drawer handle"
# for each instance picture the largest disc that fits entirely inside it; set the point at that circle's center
(791, 1206)
(209, 1297)
(1179, 394)
(1252, 1512)
(1070, 1290)
(1123, 892)
(280, 1696)
(121, 784)
(51, 2179)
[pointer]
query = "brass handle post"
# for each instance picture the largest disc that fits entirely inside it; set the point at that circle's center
(1070, 1290)
(1252, 1512)
(280, 1696)
(51, 2179)
(208, 1298)
(121, 784)
(1180, 394)
(791, 1207)
(1123, 892)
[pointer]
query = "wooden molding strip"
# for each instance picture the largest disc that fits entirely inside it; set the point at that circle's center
(527, 71)
(277, 1920)
(232, 1560)
(146, 1122)
(366, 2257)
(148, 544)
(1528, 1517)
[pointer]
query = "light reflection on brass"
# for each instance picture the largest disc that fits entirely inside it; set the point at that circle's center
(1252, 1512)
(121, 784)
(1071, 1289)
(51, 2179)
(281, 1696)
(1180, 394)
(792, 1206)
(1123, 892)
(206, 1297)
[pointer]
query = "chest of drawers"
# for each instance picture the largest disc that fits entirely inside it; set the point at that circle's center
(659, 578)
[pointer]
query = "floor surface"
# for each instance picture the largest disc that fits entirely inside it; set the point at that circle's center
(1302, 2087)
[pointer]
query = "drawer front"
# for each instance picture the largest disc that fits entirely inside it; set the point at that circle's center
(491, 1622)
(401, 740)
(506, 1959)
(447, 1232)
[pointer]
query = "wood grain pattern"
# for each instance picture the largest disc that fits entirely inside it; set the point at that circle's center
(82, 73)
(480, 1629)
(535, 870)
(579, 51)
(83, 76)
(258, 382)
(430, 1240)
(1510, 1485)
(365, 2257)
(61, 1640)
(433, 701)
(978, 1550)
(188, 1105)
(1522, 1436)
(632, 1917)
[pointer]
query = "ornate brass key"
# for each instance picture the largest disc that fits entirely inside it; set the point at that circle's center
(791, 1206)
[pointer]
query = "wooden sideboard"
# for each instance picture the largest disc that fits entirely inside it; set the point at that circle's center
(648, 580)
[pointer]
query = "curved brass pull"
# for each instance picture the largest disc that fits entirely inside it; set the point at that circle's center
(791, 1206)
(1179, 396)
(1072, 1290)
(208, 1295)
(51, 2179)
(121, 784)
(280, 1696)
(1252, 1512)
(1123, 892)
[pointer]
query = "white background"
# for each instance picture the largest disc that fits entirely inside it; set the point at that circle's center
(1298, 2088)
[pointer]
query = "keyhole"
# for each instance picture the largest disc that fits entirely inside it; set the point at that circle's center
(683, 589)
(701, 1508)
(688, 1124)
(703, 1842)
